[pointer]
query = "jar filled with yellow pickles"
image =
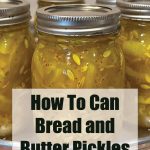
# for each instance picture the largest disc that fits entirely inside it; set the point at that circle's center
(43, 3)
(135, 42)
(77, 48)
(15, 57)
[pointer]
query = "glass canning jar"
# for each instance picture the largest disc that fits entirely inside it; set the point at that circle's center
(77, 50)
(43, 3)
(15, 57)
(135, 42)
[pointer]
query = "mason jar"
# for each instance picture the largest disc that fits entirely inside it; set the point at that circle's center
(77, 50)
(43, 3)
(135, 42)
(15, 57)
(111, 3)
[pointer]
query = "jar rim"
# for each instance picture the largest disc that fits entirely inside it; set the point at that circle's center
(60, 1)
(78, 20)
(135, 9)
(14, 12)
(108, 2)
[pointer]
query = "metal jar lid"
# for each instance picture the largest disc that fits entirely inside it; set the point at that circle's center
(61, 1)
(107, 2)
(135, 9)
(78, 20)
(14, 12)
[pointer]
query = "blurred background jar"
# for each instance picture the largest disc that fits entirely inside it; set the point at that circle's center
(43, 3)
(111, 3)
(135, 42)
(15, 56)
(77, 50)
